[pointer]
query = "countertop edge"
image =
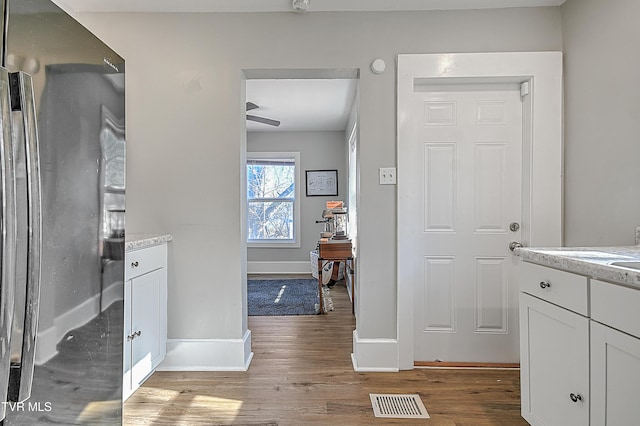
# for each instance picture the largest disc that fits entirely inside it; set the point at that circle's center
(577, 260)
(140, 241)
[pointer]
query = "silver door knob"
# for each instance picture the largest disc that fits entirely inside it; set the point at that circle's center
(514, 245)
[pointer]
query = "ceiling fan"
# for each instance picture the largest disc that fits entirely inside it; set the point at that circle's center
(270, 122)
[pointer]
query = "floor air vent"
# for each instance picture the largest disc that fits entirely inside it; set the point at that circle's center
(398, 406)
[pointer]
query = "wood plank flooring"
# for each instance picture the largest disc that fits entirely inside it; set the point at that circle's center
(301, 374)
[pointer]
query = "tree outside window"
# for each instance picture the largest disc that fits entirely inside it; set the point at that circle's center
(271, 198)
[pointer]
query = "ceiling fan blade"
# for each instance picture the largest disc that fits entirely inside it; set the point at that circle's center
(251, 105)
(263, 120)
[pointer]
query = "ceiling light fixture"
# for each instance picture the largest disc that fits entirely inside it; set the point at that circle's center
(300, 5)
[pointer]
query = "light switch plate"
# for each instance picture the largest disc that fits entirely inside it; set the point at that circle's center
(387, 176)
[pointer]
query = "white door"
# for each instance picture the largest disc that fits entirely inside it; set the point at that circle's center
(540, 216)
(468, 189)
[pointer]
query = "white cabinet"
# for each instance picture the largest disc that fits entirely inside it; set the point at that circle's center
(145, 315)
(615, 377)
(580, 349)
(554, 369)
(615, 355)
(554, 346)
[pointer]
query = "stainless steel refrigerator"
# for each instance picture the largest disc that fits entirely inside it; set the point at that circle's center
(62, 172)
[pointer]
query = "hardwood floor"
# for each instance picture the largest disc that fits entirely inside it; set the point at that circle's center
(301, 374)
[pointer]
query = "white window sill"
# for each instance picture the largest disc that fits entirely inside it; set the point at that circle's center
(273, 244)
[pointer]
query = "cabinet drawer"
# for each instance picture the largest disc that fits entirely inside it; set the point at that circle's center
(143, 261)
(335, 250)
(615, 306)
(559, 287)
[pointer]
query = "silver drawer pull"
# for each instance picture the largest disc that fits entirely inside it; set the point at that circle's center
(545, 284)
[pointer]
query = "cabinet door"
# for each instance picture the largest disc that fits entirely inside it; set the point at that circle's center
(145, 324)
(127, 388)
(615, 377)
(554, 370)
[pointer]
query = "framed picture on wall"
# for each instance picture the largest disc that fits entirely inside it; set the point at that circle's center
(322, 182)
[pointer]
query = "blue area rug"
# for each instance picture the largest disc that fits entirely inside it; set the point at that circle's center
(282, 297)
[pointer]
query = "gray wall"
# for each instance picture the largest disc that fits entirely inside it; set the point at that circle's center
(602, 121)
(185, 115)
(318, 151)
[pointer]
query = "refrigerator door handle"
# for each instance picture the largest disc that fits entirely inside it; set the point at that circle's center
(25, 102)
(7, 237)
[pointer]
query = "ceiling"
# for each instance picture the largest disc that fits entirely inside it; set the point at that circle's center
(285, 5)
(309, 104)
(301, 104)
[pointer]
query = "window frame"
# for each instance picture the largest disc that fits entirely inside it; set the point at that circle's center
(288, 243)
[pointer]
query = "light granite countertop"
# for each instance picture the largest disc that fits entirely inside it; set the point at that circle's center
(140, 241)
(593, 262)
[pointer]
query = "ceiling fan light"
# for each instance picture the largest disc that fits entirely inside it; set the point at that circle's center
(300, 5)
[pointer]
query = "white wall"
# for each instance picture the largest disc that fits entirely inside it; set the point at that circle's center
(185, 116)
(602, 121)
(318, 151)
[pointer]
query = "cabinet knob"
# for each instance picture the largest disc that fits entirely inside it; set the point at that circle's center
(575, 397)
(545, 284)
(134, 264)
(134, 335)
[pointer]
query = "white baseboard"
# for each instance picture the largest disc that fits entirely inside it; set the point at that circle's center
(208, 354)
(113, 293)
(374, 355)
(48, 339)
(295, 267)
(46, 345)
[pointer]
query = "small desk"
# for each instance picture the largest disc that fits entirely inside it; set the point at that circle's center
(339, 252)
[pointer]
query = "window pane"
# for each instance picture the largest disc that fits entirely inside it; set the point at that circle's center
(270, 220)
(271, 181)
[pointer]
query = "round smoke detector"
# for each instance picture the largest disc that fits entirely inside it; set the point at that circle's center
(300, 5)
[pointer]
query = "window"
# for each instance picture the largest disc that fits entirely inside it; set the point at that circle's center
(273, 199)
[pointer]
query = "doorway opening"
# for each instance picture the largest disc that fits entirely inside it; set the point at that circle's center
(298, 121)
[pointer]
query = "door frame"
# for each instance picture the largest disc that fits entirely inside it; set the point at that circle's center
(540, 74)
(290, 73)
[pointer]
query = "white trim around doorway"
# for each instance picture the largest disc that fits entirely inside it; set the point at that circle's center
(542, 148)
